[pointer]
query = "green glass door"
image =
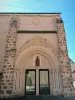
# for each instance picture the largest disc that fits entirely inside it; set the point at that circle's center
(30, 82)
(44, 86)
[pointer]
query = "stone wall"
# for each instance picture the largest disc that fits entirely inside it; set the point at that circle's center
(4, 25)
(9, 60)
(65, 67)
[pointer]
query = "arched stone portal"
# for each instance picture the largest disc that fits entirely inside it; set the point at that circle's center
(25, 60)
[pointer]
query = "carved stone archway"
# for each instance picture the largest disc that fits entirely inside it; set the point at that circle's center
(37, 41)
(39, 44)
(36, 45)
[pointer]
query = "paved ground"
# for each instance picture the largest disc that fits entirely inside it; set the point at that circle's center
(40, 98)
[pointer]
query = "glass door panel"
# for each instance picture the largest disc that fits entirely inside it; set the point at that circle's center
(30, 82)
(44, 81)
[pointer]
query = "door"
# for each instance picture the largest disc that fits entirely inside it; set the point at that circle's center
(30, 83)
(42, 82)
(44, 85)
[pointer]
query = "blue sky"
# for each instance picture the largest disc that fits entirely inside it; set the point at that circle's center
(66, 7)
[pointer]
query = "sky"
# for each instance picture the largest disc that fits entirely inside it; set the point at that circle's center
(66, 7)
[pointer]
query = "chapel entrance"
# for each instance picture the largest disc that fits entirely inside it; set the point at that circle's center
(37, 80)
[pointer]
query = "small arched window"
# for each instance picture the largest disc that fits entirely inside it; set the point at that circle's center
(37, 61)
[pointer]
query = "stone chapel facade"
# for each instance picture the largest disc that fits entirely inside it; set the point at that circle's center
(33, 55)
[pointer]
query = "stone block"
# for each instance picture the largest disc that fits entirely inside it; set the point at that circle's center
(1, 91)
(9, 91)
(4, 87)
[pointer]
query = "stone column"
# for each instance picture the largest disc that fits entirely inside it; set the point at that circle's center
(59, 83)
(22, 81)
(59, 88)
(65, 67)
(37, 82)
(9, 59)
(16, 82)
(51, 82)
(54, 82)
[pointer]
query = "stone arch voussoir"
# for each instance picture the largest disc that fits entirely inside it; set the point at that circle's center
(33, 50)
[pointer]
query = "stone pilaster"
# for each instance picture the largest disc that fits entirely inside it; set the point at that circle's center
(65, 67)
(9, 59)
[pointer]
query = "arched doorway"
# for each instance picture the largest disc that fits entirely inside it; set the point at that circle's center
(36, 63)
(38, 71)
